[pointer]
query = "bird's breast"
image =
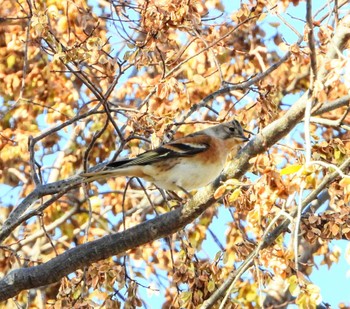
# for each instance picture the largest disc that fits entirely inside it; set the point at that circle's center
(187, 174)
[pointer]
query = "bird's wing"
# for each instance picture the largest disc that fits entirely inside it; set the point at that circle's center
(176, 149)
(184, 147)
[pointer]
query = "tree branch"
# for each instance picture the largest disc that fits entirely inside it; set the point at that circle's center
(329, 106)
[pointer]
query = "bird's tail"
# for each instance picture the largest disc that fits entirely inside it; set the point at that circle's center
(101, 175)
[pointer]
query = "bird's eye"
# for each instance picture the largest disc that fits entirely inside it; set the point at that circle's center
(232, 129)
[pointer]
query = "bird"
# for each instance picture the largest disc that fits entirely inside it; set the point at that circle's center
(185, 164)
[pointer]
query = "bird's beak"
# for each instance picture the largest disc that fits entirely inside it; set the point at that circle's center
(243, 139)
(250, 134)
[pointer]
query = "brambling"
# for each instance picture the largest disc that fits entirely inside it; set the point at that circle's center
(188, 163)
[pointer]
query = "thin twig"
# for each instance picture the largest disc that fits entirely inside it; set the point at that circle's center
(46, 234)
(49, 228)
(25, 61)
